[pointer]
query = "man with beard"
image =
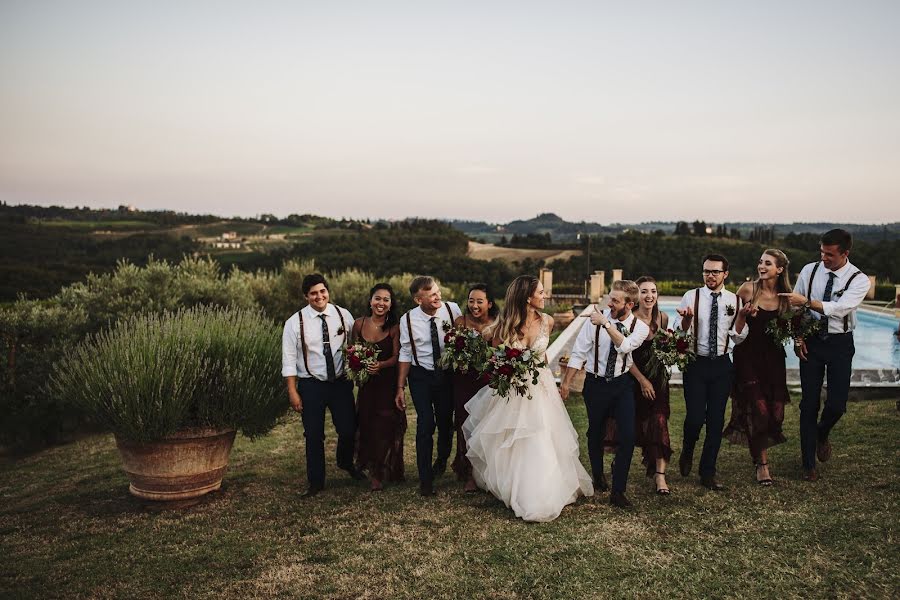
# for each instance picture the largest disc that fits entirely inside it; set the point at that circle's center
(604, 348)
(711, 312)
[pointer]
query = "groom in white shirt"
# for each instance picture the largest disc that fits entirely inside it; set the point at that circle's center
(711, 312)
(421, 344)
(604, 346)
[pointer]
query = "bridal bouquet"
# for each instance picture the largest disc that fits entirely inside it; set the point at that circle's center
(672, 347)
(513, 369)
(792, 325)
(359, 357)
(464, 349)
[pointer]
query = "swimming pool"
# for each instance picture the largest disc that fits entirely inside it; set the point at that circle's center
(876, 345)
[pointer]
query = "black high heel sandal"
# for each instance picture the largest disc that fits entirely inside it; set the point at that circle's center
(768, 481)
(662, 491)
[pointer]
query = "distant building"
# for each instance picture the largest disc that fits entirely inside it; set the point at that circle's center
(227, 244)
(230, 235)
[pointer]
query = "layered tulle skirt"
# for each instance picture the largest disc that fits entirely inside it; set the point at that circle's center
(525, 451)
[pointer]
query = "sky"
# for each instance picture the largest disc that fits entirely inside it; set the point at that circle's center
(490, 110)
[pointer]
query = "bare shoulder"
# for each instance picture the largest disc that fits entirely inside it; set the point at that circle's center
(664, 320)
(745, 292)
(460, 320)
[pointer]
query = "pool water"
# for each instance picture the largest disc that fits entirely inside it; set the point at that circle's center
(875, 340)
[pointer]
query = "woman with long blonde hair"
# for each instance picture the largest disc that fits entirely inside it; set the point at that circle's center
(759, 391)
(523, 447)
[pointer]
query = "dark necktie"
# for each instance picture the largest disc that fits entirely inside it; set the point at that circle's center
(714, 325)
(435, 346)
(613, 355)
(826, 297)
(329, 357)
(829, 287)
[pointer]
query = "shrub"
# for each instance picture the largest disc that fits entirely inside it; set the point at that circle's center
(35, 336)
(152, 375)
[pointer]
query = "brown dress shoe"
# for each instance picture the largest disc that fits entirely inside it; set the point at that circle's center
(711, 483)
(685, 462)
(600, 483)
(810, 475)
(426, 489)
(823, 450)
(619, 500)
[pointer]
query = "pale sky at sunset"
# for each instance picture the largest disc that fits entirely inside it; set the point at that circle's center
(598, 111)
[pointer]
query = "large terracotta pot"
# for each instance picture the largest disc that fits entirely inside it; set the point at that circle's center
(187, 464)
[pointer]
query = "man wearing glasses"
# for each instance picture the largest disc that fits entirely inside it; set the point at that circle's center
(709, 311)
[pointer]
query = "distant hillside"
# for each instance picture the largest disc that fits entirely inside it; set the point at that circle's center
(566, 232)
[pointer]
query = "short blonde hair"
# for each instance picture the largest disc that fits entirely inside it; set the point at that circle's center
(629, 288)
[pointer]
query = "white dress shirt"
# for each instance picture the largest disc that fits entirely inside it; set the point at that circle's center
(841, 305)
(291, 346)
(421, 329)
(725, 326)
(583, 351)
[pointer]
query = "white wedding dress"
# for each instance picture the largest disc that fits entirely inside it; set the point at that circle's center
(525, 451)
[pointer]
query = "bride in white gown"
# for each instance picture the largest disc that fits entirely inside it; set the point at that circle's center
(525, 450)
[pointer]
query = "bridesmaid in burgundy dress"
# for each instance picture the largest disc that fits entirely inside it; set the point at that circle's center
(481, 312)
(381, 424)
(760, 391)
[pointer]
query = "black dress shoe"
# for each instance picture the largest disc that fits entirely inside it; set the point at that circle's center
(619, 500)
(312, 490)
(426, 489)
(600, 483)
(439, 467)
(685, 462)
(356, 474)
(711, 483)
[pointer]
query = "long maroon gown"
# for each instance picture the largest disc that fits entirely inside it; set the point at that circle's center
(381, 424)
(759, 391)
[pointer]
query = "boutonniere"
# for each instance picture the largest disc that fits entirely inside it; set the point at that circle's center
(626, 333)
(729, 310)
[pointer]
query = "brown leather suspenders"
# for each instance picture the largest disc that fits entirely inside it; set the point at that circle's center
(303, 348)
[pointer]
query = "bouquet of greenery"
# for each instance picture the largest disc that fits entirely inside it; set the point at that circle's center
(791, 325)
(464, 349)
(359, 357)
(671, 347)
(513, 369)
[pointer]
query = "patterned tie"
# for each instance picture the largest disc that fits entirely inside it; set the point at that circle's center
(435, 346)
(829, 287)
(826, 297)
(613, 355)
(713, 343)
(329, 357)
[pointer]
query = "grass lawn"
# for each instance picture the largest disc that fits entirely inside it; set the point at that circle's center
(70, 529)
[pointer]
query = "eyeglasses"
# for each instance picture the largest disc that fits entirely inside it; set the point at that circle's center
(712, 272)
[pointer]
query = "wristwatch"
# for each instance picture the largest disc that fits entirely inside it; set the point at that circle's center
(607, 325)
(808, 304)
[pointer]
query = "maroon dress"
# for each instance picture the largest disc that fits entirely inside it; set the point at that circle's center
(651, 421)
(465, 385)
(759, 391)
(381, 424)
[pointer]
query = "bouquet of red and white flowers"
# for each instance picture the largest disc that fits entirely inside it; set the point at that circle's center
(792, 324)
(465, 349)
(672, 347)
(359, 357)
(513, 369)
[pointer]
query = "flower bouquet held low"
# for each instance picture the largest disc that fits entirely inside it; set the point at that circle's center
(465, 349)
(791, 325)
(360, 356)
(512, 369)
(671, 348)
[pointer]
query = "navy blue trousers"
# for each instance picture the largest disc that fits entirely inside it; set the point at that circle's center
(432, 395)
(707, 385)
(337, 396)
(604, 399)
(831, 358)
